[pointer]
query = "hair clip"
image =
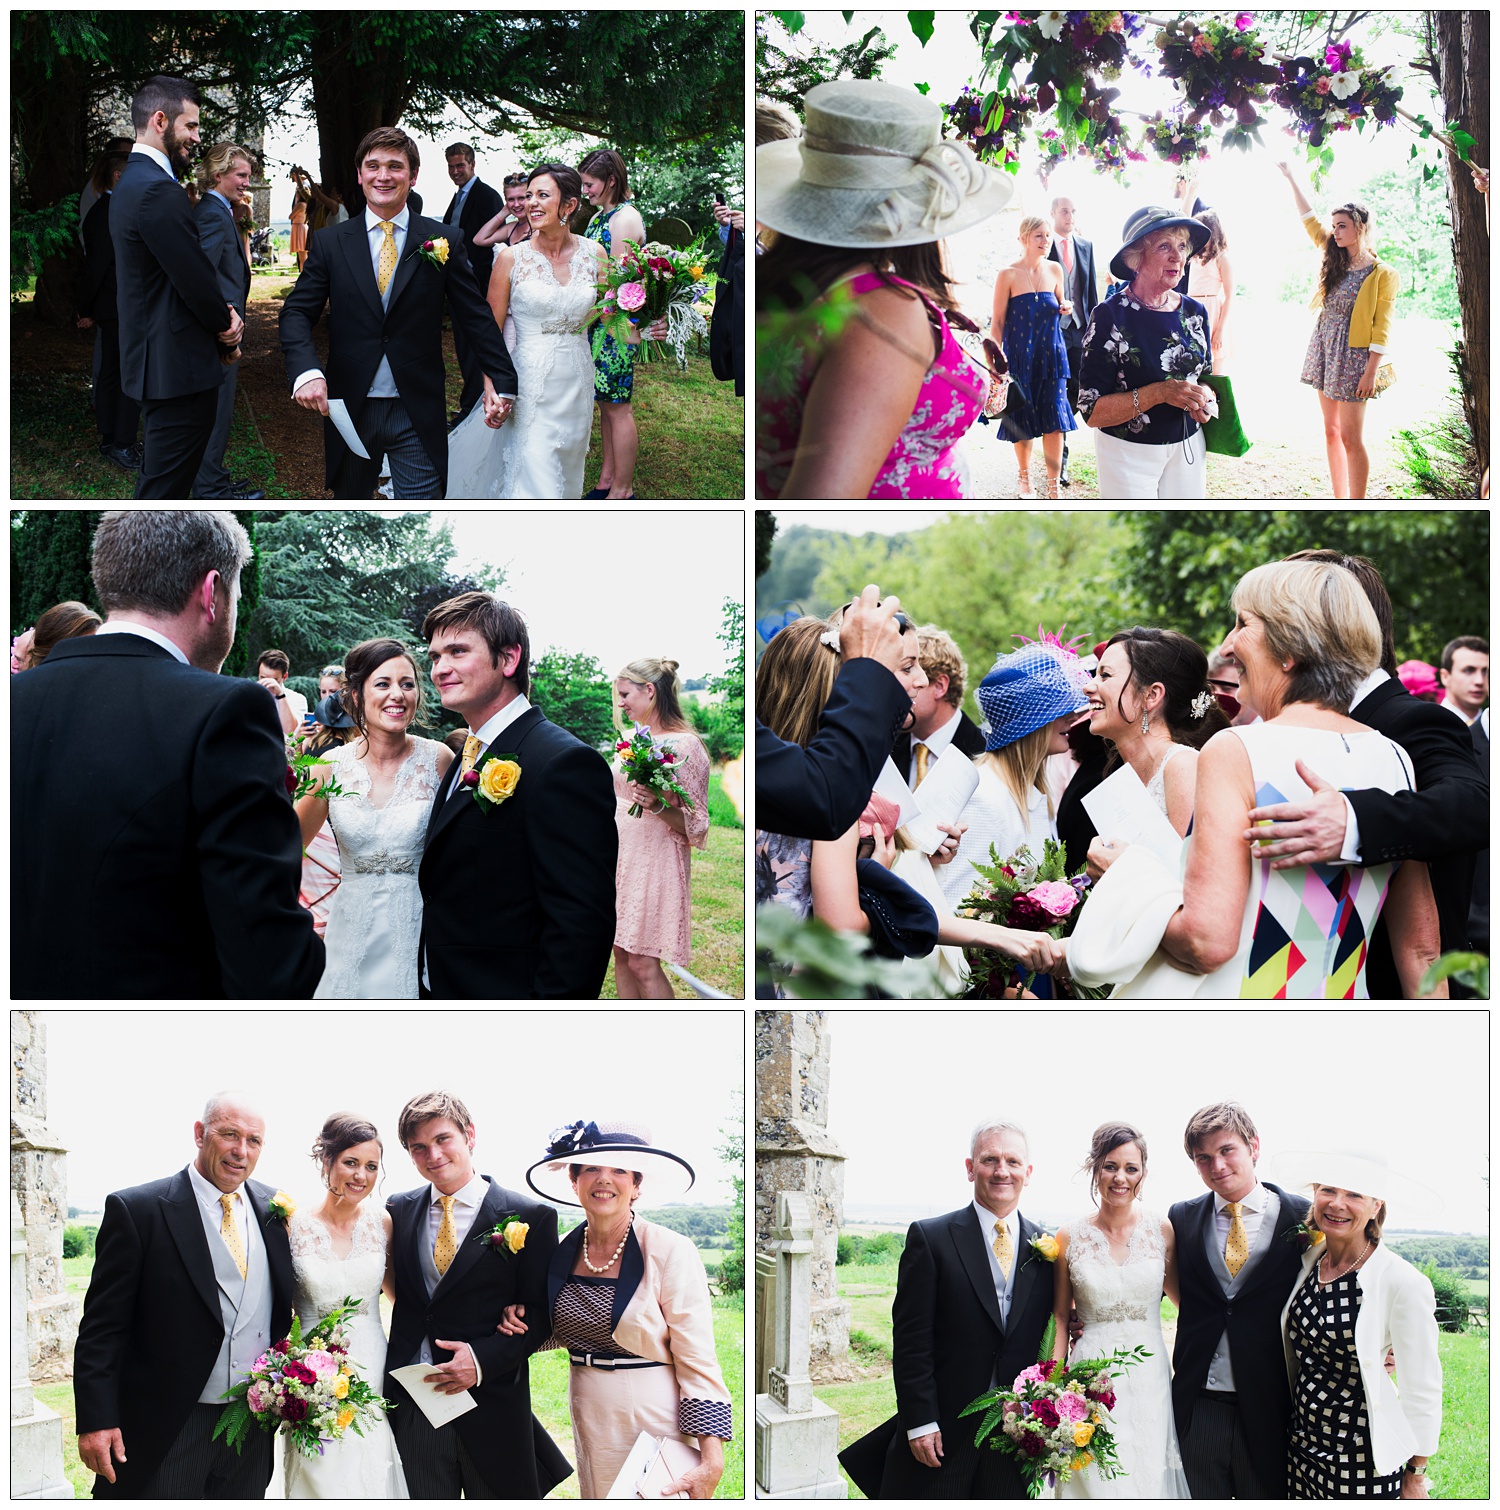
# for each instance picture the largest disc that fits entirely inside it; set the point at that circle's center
(1202, 703)
(830, 638)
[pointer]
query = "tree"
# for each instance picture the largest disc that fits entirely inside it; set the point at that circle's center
(785, 75)
(730, 683)
(49, 562)
(765, 535)
(575, 691)
(732, 1151)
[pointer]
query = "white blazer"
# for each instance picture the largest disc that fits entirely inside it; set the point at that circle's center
(1396, 1309)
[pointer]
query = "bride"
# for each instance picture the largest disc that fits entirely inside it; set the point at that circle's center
(546, 286)
(1115, 1265)
(338, 1250)
(387, 779)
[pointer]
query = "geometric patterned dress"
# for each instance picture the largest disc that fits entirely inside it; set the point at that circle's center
(1306, 930)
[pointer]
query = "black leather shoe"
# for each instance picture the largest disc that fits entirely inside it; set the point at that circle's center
(1065, 479)
(122, 458)
(238, 484)
(248, 493)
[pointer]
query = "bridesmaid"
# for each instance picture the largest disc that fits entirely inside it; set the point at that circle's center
(653, 901)
(1027, 326)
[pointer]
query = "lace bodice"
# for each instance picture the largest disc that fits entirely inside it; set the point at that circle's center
(374, 839)
(1107, 1291)
(1156, 788)
(323, 1280)
(542, 305)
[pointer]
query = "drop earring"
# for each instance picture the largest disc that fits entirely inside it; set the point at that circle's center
(1145, 723)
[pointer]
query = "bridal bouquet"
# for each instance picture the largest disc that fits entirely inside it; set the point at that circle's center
(306, 1386)
(649, 283)
(648, 763)
(1055, 1420)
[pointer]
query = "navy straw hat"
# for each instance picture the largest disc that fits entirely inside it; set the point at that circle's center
(1153, 218)
(1026, 690)
(332, 714)
(620, 1145)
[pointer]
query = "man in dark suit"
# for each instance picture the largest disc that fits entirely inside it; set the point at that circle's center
(1081, 289)
(385, 298)
(452, 1288)
(1236, 1266)
(224, 179)
(117, 414)
(175, 322)
(1440, 824)
(972, 1301)
(548, 842)
(472, 207)
(937, 719)
(192, 1282)
(154, 852)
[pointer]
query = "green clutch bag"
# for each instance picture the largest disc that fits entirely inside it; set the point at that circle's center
(1224, 435)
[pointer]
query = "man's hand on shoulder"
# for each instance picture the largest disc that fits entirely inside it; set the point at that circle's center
(928, 1450)
(101, 1450)
(1300, 833)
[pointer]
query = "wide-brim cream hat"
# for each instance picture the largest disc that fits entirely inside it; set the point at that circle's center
(871, 169)
(620, 1145)
(1358, 1170)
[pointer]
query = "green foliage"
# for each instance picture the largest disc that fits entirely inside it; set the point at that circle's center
(786, 74)
(825, 965)
(765, 536)
(1452, 1298)
(1441, 457)
(575, 691)
(705, 1225)
(1461, 1252)
(879, 1248)
(732, 1151)
(36, 235)
(721, 730)
(78, 1241)
(730, 682)
(1471, 970)
(49, 562)
(1411, 216)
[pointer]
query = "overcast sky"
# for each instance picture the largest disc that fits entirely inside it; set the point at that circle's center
(909, 1085)
(124, 1087)
(616, 583)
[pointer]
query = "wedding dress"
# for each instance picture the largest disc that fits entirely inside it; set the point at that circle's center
(375, 917)
(1120, 1307)
(354, 1466)
(540, 450)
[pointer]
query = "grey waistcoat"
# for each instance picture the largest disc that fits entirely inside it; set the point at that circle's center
(245, 1304)
(1220, 1369)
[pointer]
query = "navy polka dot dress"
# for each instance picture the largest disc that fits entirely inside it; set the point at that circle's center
(1038, 359)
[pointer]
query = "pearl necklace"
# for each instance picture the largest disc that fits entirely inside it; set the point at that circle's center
(608, 1263)
(1328, 1279)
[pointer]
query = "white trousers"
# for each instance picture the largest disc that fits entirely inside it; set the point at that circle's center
(1128, 469)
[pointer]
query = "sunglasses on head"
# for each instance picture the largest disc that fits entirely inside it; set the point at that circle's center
(902, 621)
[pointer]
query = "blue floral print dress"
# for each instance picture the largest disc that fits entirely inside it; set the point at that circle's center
(1129, 346)
(614, 367)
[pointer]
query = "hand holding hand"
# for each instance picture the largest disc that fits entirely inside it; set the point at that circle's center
(1037, 951)
(511, 1324)
(928, 1450)
(1300, 833)
(313, 394)
(457, 1374)
(101, 1450)
(868, 628)
(496, 409)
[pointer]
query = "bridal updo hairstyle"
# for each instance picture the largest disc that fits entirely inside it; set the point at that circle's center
(661, 676)
(569, 186)
(341, 1131)
(362, 662)
(1107, 1138)
(491, 617)
(1163, 655)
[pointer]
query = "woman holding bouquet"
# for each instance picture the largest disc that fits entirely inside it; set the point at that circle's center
(653, 899)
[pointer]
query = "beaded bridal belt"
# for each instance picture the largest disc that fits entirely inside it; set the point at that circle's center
(379, 863)
(1124, 1310)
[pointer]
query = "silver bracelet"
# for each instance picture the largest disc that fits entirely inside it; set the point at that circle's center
(1135, 398)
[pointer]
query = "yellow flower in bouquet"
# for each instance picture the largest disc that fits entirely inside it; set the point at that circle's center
(498, 779)
(341, 1386)
(345, 1416)
(1081, 1461)
(1083, 1434)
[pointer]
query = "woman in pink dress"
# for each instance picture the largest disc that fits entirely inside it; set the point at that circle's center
(1211, 283)
(653, 901)
(864, 392)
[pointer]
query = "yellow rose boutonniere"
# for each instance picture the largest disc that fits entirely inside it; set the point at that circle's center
(507, 1235)
(435, 252)
(283, 1207)
(1046, 1245)
(493, 782)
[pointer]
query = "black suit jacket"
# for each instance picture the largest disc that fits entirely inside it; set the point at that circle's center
(1253, 1321)
(100, 284)
(1443, 822)
(221, 242)
(408, 329)
(966, 737)
(948, 1345)
(513, 1454)
(151, 1326)
(1084, 289)
(518, 902)
(1479, 900)
(154, 852)
(817, 792)
(480, 207)
(171, 306)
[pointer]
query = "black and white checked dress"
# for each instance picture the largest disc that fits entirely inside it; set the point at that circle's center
(1329, 1453)
(583, 1321)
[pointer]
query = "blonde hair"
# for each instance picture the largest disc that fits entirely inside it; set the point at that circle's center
(940, 656)
(795, 680)
(1133, 255)
(1317, 616)
(216, 160)
(1022, 765)
(662, 675)
(1030, 224)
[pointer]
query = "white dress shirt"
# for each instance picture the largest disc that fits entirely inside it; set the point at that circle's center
(466, 1204)
(936, 743)
(114, 626)
(159, 158)
(208, 1197)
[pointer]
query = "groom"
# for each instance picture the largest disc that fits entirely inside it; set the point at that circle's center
(385, 293)
(518, 895)
(451, 1289)
(972, 1302)
(1237, 1262)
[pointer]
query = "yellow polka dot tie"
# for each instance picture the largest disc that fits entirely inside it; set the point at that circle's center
(1004, 1252)
(230, 1232)
(446, 1246)
(472, 747)
(922, 754)
(387, 264)
(1237, 1244)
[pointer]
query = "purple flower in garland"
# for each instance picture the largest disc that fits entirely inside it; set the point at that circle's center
(1337, 56)
(1244, 20)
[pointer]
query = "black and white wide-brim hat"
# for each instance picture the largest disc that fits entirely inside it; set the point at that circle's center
(620, 1145)
(1356, 1169)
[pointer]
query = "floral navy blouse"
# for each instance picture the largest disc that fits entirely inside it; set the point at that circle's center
(1129, 346)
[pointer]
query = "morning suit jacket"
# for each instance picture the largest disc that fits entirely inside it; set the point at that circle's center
(818, 792)
(1082, 289)
(1253, 1321)
(518, 901)
(481, 206)
(221, 241)
(154, 851)
(171, 305)
(152, 1327)
(407, 328)
(949, 1348)
(514, 1455)
(100, 301)
(1443, 822)
(967, 737)
(1479, 900)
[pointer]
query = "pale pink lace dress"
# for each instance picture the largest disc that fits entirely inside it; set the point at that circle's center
(653, 902)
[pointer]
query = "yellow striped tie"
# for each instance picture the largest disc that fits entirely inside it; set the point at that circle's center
(230, 1232)
(1237, 1244)
(387, 265)
(446, 1247)
(472, 747)
(1003, 1249)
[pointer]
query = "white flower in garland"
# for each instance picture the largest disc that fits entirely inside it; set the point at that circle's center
(1051, 22)
(1342, 85)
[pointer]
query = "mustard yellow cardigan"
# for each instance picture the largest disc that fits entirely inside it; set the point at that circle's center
(1370, 324)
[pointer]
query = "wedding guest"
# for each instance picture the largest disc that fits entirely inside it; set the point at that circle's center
(473, 205)
(938, 719)
(321, 868)
(1356, 297)
(1224, 683)
(89, 195)
(20, 649)
(1211, 283)
(330, 680)
(511, 225)
(1420, 679)
(301, 201)
(1305, 637)
(1353, 1432)
(878, 410)
(117, 415)
(63, 621)
(653, 896)
(1465, 675)
(1081, 290)
(328, 206)
(1030, 300)
(1091, 759)
(615, 223)
(1147, 441)
(271, 670)
(726, 333)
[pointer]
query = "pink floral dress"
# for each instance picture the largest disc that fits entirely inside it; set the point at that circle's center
(924, 462)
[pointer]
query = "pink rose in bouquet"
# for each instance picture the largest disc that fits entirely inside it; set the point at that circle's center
(1057, 897)
(631, 296)
(322, 1364)
(1046, 1412)
(1072, 1407)
(1032, 1375)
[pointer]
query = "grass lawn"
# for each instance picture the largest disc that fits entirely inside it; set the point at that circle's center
(1461, 1469)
